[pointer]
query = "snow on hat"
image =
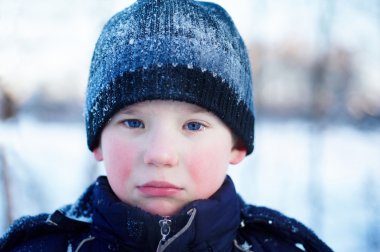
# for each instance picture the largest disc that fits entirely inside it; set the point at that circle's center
(180, 50)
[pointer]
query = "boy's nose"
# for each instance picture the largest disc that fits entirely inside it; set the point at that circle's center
(161, 150)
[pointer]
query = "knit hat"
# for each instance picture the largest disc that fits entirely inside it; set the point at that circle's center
(181, 50)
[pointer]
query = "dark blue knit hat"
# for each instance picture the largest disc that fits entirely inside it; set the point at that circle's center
(180, 50)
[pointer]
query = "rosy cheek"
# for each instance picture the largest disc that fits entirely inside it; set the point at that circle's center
(118, 160)
(207, 176)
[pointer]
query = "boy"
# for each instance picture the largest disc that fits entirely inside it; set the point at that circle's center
(169, 106)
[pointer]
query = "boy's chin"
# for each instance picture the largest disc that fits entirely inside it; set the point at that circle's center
(162, 209)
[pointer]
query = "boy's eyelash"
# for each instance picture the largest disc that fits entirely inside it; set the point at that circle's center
(133, 123)
(138, 124)
(195, 126)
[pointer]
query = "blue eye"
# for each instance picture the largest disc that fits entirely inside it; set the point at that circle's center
(134, 123)
(194, 126)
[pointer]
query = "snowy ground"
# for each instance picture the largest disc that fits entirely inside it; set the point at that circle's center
(329, 180)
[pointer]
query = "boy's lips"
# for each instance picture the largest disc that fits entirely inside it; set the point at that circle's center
(159, 189)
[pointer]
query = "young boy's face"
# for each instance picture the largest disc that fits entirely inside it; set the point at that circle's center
(161, 155)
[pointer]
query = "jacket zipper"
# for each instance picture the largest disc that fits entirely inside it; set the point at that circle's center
(165, 230)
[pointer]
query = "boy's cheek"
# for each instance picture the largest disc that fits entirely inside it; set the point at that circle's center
(207, 170)
(119, 169)
(119, 160)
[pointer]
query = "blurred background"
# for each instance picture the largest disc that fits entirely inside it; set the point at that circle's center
(316, 70)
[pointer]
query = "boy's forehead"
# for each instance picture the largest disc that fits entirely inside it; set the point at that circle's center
(184, 106)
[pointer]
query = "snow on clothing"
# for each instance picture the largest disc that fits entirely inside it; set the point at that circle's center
(99, 221)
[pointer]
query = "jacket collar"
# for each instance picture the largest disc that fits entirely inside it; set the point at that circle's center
(201, 224)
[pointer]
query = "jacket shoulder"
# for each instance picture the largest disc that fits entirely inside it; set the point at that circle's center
(273, 231)
(40, 233)
(24, 229)
(46, 232)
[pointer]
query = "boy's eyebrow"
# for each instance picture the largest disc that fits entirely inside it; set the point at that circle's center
(195, 109)
(190, 109)
(128, 111)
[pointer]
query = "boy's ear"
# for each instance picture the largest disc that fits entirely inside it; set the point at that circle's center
(238, 153)
(98, 154)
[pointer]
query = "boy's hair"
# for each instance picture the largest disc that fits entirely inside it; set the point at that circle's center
(180, 50)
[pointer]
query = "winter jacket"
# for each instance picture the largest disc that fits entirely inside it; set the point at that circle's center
(99, 221)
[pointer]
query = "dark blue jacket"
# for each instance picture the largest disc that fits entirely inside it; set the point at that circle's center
(99, 221)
